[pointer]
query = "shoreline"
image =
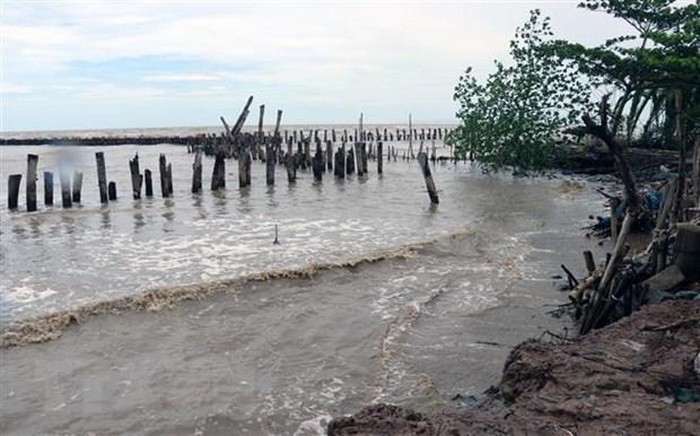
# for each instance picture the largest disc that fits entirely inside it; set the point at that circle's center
(636, 376)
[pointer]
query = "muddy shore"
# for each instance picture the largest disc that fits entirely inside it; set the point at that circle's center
(636, 376)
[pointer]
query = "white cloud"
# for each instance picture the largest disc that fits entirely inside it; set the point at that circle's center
(390, 54)
(181, 78)
(10, 88)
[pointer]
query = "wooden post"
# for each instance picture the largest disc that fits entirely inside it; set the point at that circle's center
(363, 150)
(66, 187)
(77, 185)
(329, 156)
(270, 163)
(236, 130)
(197, 172)
(148, 179)
(163, 170)
(170, 179)
(32, 160)
(410, 134)
(218, 177)
(244, 161)
(136, 178)
(429, 183)
(340, 162)
(360, 137)
(317, 163)
(358, 159)
(350, 162)
(260, 137)
(291, 168)
(112, 188)
(307, 153)
(380, 157)
(13, 182)
(48, 188)
(101, 177)
(614, 221)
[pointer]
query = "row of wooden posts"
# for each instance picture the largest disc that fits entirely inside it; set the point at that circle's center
(340, 163)
(70, 189)
(245, 147)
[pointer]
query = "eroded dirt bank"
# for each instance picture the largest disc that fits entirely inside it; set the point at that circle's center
(635, 377)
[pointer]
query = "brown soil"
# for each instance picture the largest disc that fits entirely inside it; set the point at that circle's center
(619, 380)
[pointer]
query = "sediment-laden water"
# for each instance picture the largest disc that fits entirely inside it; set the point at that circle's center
(450, 288)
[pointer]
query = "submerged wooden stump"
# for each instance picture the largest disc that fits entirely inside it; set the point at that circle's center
(329, 156)
(148, 180)
(218, 177)
(350, 162)
(169, 172)
(112, 188)
(197, 172)
(77, 186)
(163, 170)
(32, 161)
(65, 188)
(317, 163)
(291, 168)
(380, 156)
(136, 178)
(244, 161)
(340, 162)
(13, 182)
(270, 164)
(48, 188)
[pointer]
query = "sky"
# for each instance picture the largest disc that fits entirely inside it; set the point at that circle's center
(118, 64)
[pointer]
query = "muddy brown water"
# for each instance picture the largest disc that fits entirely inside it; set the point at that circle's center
(470, 279)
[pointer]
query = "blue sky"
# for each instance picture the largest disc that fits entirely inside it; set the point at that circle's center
(110, 64)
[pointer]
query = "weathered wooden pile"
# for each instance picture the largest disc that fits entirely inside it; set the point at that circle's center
(345, 159)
